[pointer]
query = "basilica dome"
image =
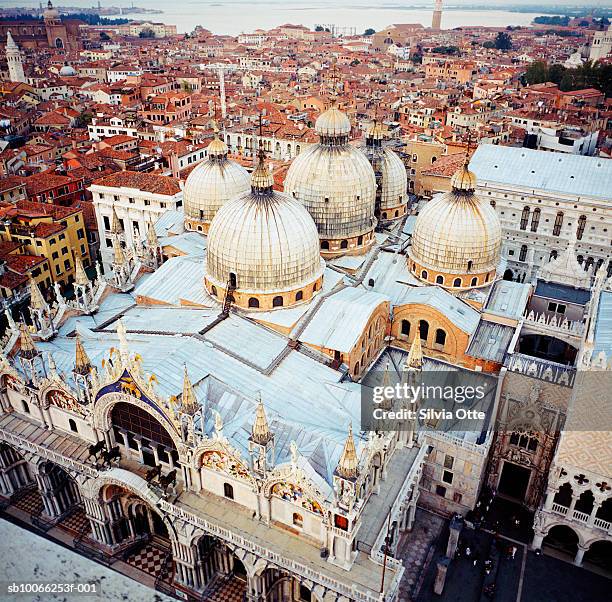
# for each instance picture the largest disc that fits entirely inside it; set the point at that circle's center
(456, 240)
(336, 183)
(391, 177)
(212, 183)
(264, 245)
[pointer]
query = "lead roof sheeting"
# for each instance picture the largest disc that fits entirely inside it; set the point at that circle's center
(539, 170)
(490, 341)
(341, 319)
(508, 298)
(459, 313)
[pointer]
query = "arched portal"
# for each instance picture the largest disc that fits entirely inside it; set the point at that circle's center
(141, 436)
(279, 586)
(548, 348)
(508, 275)
(563, 539)
(600, 555)
(60, 492)
(14, 472)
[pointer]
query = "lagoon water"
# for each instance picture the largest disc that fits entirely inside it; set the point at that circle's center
(236, 16)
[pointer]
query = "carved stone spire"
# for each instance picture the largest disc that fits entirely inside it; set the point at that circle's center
(348, 463)
(415, 355)
(189, 401)
(152, 240)
(26, 344)
(80, 277)
(37, 301)
(261, 433)
(116, 227)
(82, 365)
(118, 254)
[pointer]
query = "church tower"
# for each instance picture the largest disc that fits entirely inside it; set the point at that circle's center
(13, 58)
(436, 20)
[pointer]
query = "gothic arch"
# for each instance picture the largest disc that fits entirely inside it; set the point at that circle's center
(104, 405)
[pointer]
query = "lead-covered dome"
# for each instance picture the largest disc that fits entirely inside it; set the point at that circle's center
(336, 184)
(264, 244)
(211, 184)
(391, 177)
(456, 240)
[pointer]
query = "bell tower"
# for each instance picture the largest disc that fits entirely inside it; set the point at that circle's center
(14, 60)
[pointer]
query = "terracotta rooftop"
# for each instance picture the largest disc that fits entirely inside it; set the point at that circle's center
(141, 181)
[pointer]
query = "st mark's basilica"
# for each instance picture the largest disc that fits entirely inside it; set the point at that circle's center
(197, 406)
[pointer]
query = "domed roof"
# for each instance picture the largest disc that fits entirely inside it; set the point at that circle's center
(457, 232)
(334, 181)
(67, 71)
(213, 182)
(333, 122)
(393, 178)
(265, 238)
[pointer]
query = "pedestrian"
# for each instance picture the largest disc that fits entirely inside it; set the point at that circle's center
(468, 551)
(512, 552)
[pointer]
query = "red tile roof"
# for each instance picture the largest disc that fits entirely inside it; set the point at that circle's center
(141, 181)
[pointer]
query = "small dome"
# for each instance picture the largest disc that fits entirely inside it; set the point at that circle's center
(212, 183)
(266, 240)
(50, 13)
(333, 122)
(67, 71)
(457, 233)
(335, 182)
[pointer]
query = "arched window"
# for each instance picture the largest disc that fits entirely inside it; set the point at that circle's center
(581, 226)
(228, 491)
(525, 218)
(213, 290)
(253, 302)
(457, 282)
(315, 287)
(440, 337)
(405, 327)
(424, 274)
(344, 244)
(232, 279)
(325, 245)
(384, 215)
(299, 296)
(424, 329)
(439, 279)
(371, 282)
(360, 240)
(73, 425)
(474, 281)
(523, 253)
(25, 406)
(298, 520)
(277, 301)
(470, 265)
(535, 220)
(558, 224)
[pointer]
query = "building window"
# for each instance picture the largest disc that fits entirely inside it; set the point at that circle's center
(325, 245)
(424, 274)
(298, 520)
(523, 253)
(277, 301)
(558, 308)
(440, 337)
(474, 281)
(439, 279)
(525, 218)
(535, 220)
(344, 244)
(26, 407)
(213, 290)
(228, 491)
(441, 491)
(448, 461)
(447, 477)
(405, 327)
(558, 224)
(299, 296)
(424, 329)
(73, 425)
(253, 302)
(581, 226)
(457, 282)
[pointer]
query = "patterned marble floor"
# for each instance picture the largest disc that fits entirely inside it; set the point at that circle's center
(227, 589)
(31, 502)
(149, 559)
(75, 522)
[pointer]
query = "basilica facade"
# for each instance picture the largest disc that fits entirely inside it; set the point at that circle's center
(196, 410)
